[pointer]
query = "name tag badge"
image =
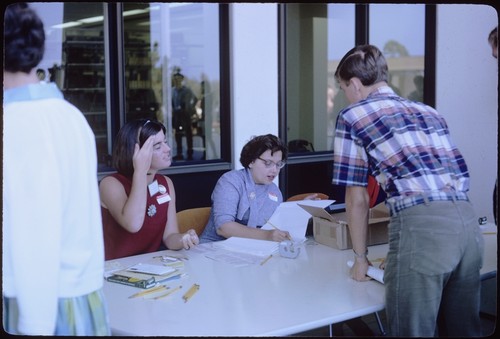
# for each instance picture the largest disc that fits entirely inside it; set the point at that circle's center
(273, 197)
(163, 198)
(153, 188)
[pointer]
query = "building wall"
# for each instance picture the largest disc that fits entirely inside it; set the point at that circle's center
(467, 93)
(254, 72)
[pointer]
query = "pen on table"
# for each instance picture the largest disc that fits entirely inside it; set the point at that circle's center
(276, 228)
(152, 290)
(265, 260)
(191, 292)
(169, 292)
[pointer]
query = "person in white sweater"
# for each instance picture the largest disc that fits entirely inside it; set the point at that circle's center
(53, 251)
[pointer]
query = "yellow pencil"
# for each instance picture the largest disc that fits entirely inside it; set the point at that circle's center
(265, 260)
(168, 293)
(153, 290)
(276, 228)
(191, 292)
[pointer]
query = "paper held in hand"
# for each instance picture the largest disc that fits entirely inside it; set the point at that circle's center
(373, 272)
(289, 216)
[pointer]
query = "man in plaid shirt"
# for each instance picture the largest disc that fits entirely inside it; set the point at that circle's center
(435, 244)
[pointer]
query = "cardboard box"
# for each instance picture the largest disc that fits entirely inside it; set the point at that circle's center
(332, 229)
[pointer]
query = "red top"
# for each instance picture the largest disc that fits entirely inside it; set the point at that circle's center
(373, 190)
(119, 242)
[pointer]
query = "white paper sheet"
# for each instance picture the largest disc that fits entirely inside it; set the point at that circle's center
(256, 247)
(293, 218)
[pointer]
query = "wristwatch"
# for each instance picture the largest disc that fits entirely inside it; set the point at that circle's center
(360, 256)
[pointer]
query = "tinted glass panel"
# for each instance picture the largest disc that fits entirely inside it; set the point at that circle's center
(172, 73)
(74, 59)
(399, 31)
(317, 37)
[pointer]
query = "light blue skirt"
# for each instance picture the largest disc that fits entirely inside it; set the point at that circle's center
(81, 316)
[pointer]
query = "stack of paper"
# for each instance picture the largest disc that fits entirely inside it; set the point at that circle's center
(143, 275)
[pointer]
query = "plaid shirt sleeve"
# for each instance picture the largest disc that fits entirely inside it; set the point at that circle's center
(350, 161)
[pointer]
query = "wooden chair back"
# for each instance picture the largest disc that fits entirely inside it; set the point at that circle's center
(195, 218)
(302, 196)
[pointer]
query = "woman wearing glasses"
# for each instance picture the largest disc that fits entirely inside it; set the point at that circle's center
(138, 203)
(244, 199)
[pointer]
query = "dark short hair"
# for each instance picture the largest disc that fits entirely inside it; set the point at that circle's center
(493, 37)
(134, 131)
(254, 148)
(365, 62)
(24, 38)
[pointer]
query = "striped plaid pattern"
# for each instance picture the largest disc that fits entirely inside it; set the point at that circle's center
(79, 316)
(406, 145)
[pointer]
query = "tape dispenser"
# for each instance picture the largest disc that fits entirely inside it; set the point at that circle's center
(287, 249)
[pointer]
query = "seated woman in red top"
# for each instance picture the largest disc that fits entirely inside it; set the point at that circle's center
(137, 203)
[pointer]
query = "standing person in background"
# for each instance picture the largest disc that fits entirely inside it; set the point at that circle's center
(435, 243)
(40, 73)
(493, 41)
(53, 254)
(138, 203)
(243, 200)
(183, 108)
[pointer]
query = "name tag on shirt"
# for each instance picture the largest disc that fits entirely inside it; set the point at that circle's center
(153, 188)
(163, 198)
(273, 196)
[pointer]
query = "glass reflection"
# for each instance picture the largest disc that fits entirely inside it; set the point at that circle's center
(172, 73)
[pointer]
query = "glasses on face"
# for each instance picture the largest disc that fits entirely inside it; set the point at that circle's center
(270, 163)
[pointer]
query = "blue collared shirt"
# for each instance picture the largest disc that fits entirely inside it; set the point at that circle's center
(236, 197)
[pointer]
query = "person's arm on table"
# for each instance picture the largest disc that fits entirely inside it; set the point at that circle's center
(357, 208)
(234, 229)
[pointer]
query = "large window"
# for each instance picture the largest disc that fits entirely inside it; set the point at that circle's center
(318, 36)
(122, 61)
(75, 60)
(313, 39)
